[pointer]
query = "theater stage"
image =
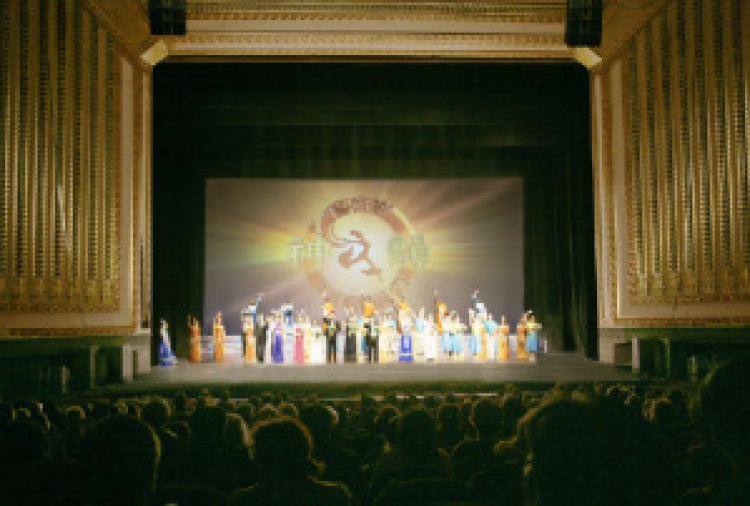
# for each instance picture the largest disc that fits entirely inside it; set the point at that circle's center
(551, 368)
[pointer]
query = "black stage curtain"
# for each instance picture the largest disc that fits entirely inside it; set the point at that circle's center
(410, 120)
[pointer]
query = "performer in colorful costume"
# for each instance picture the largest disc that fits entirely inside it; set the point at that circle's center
(329, 329)
(277, 347)
(195, 339)
(476, 334)
(442, 321)
(430, 341)
(218, 338)
(406, 350)
(368, 313)
(456, 336)
(521, 352)
(261, 334)
(166, 356)
(299, 342)
(419, 334)
(503, 339)
(490, 327)
(532, 337)
(248, 335)
(350, 346)
(254, 308)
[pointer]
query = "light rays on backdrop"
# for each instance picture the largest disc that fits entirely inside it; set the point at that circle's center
(264, 236)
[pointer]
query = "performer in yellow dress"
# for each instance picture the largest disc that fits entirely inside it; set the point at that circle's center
(218, 338)
(195, 339)
(248, 336)
(521, 353)
(503, 331)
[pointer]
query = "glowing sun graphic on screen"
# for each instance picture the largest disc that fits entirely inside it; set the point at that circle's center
(361, 245)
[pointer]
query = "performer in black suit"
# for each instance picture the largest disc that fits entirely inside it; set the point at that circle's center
(350, 346)
(261, 329)
(368, 315)
(332, 330)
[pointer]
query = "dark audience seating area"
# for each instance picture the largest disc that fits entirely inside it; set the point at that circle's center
(572, 444)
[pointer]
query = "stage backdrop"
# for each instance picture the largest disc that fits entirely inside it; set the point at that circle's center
(394, 240)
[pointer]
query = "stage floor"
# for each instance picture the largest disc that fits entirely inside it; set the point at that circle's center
(551, 368)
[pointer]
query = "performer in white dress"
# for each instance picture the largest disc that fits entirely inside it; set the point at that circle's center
(430, 341)
(490, 327)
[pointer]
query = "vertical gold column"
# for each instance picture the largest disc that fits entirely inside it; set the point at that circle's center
(640, 163)
(101, 167)
(91, 131)
(116, 164)
(14, 71)
(685, 59)
(743, 33)
(5, 157)
(737, 141)
(41, 160)
(51, 113)
(146, 319)
(136, 182)
(70, 145)
(717, 111)
(700, 144)
(82, 186)
(110, 202)
(651, 179)
(677, 164)
(658, 151)
(21, 228)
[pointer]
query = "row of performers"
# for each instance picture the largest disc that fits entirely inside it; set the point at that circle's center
(280, 338)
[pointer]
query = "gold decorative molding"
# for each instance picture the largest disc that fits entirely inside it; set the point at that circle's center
(587, 57)
(621, 20)
(329, 28)
(127, 22)
(155, 53)
(202, 8)
(64, 332)
(473, 45)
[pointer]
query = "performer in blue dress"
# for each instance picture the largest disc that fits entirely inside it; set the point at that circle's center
(419, 333)
(166, 356)
(288, 312)
(277, 348)
(476, 333)
(457, 335)
(532, 337)
(406, 352)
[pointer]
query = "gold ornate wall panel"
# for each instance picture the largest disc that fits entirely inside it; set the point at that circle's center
(672, 185)
(62, 211)
(62, 176)
(687, 157)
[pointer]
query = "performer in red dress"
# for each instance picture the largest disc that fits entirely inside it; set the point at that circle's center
(299, 345)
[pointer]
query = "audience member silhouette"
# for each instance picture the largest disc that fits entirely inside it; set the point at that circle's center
(119, 462)
(286, 469)
(724, 407)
